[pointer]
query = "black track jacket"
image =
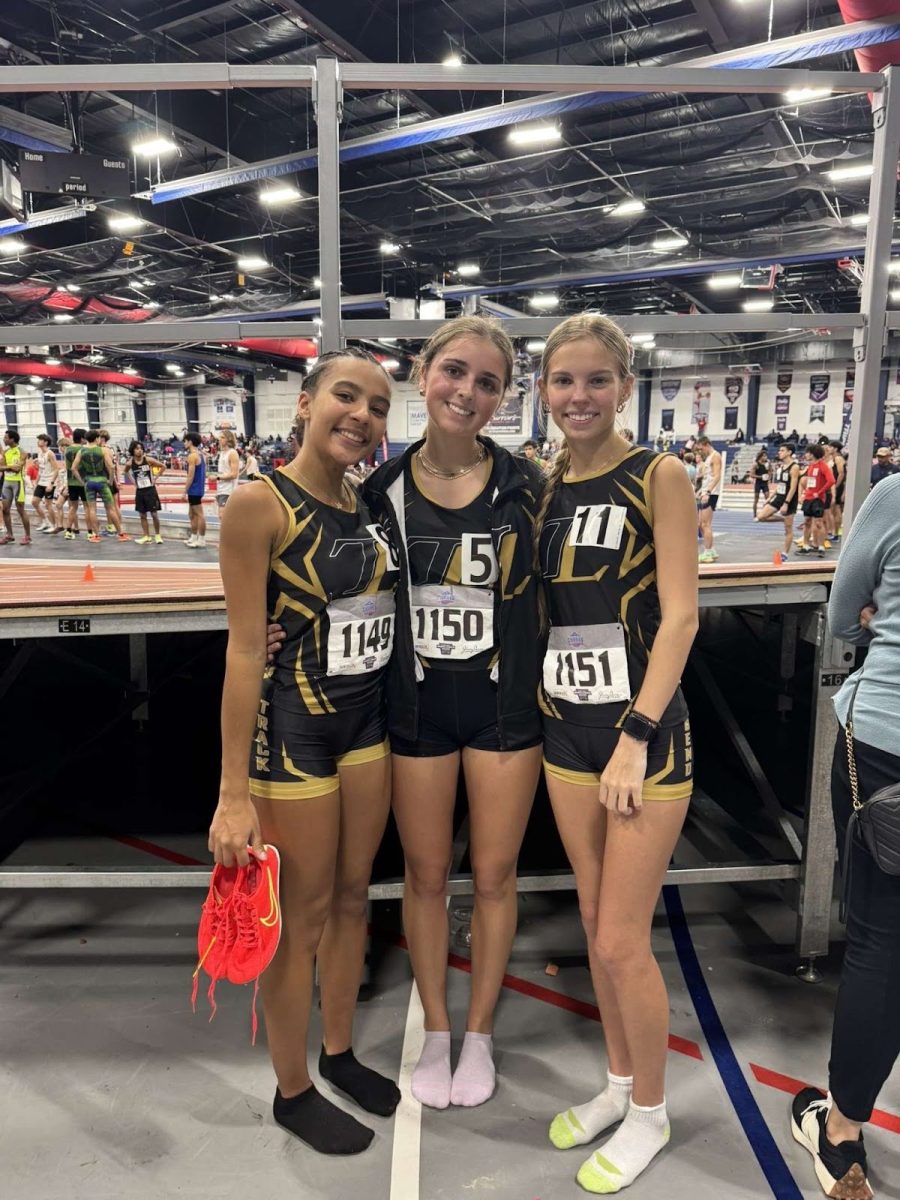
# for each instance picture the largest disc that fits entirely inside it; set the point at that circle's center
(517, 494)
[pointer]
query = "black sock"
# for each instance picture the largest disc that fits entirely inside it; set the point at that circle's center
(321, 1124)
(371, 1091)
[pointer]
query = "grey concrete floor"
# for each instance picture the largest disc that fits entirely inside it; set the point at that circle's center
(111, 1088)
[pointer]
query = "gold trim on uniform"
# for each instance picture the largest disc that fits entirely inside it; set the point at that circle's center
(367, 754)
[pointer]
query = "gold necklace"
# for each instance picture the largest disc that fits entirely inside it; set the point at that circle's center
(324, 500)
(594, 470)
(440, 473)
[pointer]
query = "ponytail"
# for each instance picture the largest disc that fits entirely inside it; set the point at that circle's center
(560, 466)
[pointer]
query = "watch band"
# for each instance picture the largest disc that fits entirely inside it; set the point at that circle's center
(639, 727)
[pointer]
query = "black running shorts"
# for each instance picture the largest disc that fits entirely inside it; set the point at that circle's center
(579, 754)
(295, 756)
(457, 710)
(813, 508)
(146, 500)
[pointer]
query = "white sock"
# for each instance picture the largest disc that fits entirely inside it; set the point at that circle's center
(475, 1078)
(431, 1079)
(579, 1125)
(628, 1152)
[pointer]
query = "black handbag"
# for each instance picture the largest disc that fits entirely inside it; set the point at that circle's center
(874, 823)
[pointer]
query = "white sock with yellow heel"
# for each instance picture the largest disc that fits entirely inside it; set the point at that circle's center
(628, 1152)
(579, 1125)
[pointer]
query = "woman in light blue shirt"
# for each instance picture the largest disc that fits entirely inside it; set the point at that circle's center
(864, 609)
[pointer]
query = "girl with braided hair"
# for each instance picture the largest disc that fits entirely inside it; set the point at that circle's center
(614, 548)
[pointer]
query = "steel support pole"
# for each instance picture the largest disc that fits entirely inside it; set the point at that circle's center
(833, 662)
(328, 118)
(869, 342)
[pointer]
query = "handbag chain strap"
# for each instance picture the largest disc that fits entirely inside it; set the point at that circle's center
(851, 755)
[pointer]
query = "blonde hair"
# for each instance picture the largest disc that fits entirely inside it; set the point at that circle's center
(229, 438)
(486, 328)
(574, 329)
(590, 325)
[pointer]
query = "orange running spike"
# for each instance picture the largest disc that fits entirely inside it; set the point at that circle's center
(88, 576)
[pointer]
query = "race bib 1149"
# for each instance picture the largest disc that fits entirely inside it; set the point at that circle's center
(360, 633)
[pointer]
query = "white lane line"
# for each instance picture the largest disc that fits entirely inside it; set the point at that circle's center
(406, 1156)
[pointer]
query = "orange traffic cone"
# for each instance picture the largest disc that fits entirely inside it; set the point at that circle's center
(88, 576)
(776, 559)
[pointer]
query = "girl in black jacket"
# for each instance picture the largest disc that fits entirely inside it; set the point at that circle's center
(462, 683)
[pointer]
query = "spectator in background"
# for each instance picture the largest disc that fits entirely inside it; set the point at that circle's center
(864, 609)
(882, 468)
(250, 466)
(194, 491)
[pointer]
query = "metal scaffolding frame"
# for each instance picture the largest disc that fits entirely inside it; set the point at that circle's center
(328, 79)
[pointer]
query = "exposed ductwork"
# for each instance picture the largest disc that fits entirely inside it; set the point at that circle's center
(75, 374)
(873, 57)
(802, 48)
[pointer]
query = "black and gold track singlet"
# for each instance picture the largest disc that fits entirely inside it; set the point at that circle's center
(598, 568)
(453, 570)
(331, 586)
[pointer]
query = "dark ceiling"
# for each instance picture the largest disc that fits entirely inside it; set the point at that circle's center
(738, 177)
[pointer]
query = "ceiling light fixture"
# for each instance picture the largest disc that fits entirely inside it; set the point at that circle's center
(532, 135)
(640, 339)
(628, 208)
(535, 347)
(390, 364)
(283, 194)
(129, 371)
(721, 282)
(857, 171)
(125, 224)
(154, 146)
(453, 60)
(894, 266)
(36, 378)
(12, 245)
(63, 317)
(860, 218)
(152, 304)
(895, 295)
(173, 367)
(795, 95)
(53, 362)
(763, 304)
(544, 300)
(466, 269)
(72, 287)
(252, 262)
(317, 282)
(387, 248)
(669, 242)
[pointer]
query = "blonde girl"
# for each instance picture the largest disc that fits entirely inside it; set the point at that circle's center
(615, 538)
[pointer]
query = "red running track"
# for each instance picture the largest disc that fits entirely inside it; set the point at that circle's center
(32, 585)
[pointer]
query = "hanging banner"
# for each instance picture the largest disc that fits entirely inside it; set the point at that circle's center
(667, 419)
(416, 419)
(671, 387)
(700, 405)
(731, 417)
(818, 388)
(784, 381)
(849, 386)
(734, 388)
(782, 404)
(780, 424)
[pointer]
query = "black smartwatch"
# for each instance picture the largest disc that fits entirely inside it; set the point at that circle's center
(639, 727)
